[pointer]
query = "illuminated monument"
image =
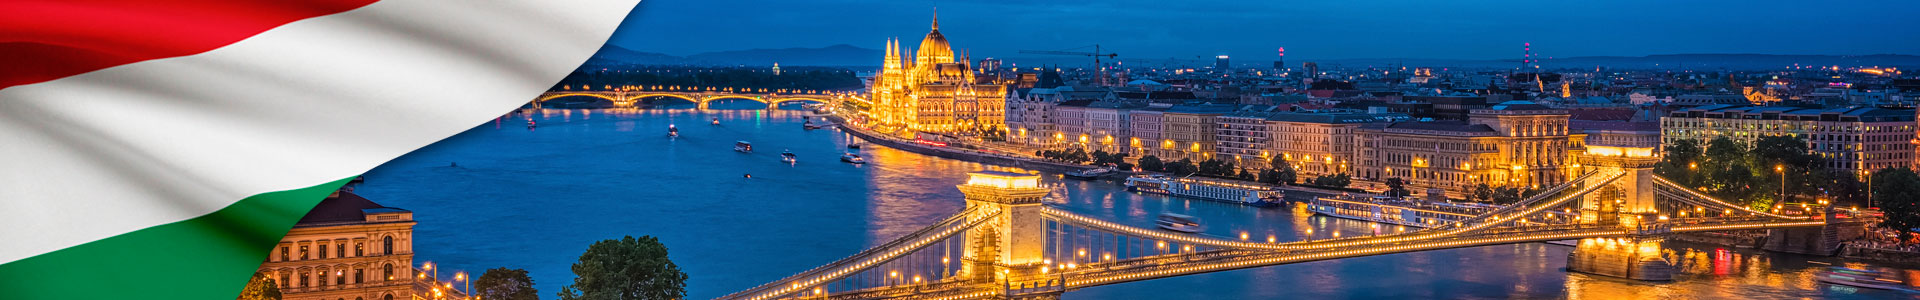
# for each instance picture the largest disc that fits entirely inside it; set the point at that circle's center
(932, 92)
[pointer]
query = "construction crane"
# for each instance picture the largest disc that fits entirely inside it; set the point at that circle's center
(1099, 69)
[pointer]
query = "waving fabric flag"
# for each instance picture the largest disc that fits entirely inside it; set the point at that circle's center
(159, 149)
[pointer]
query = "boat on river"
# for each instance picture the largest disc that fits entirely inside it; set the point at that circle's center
(1089, 174)
(743, 147)
(1179, 222)
(787, 157)
(1206, 189)
(673, 132)
(851, 158)
(1859, 278)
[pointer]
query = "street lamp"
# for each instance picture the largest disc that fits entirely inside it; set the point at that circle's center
(429, 267)
(1782, 170)
(462, 277)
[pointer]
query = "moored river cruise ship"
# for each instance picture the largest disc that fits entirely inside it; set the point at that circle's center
(1206, 189)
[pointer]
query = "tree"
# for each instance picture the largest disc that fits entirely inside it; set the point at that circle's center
(1506, 195)
(1077, 155)
(1244, 175)
(505, 284)
(1212, 168)
(1269, 176)
(1897, 192)
(1284, 171)
(1336, 180)
(626, 269)
(1397, 187)
(1481, 192)
(1184, 167)
(1150, 163)
(1679, 162)
(260, 287)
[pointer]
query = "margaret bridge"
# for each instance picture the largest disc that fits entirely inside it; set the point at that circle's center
(626, 97)
(1009, 244)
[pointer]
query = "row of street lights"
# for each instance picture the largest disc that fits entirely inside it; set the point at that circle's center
(460, 276)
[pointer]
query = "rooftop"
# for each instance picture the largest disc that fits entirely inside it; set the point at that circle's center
(344, 207)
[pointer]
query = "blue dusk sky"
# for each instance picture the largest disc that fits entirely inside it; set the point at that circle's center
(1254, 29)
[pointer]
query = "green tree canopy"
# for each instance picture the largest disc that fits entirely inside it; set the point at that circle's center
(1283, 171)
(1151, 163)
(505, 284)
(1397, 187)
(260, 287)
(1897, 192)
(1184, 167)
(1340, 180)
(626, 269)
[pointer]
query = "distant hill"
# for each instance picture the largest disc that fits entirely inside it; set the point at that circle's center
(836, 55)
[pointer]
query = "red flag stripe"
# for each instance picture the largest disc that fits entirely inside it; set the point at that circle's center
(42, 40)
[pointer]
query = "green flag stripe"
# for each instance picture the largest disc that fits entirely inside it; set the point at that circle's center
(207, 257)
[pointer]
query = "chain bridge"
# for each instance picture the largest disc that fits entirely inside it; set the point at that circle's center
(700, 97)
(1008, 244)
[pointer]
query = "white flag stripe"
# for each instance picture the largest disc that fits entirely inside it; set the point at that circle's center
(112, 151)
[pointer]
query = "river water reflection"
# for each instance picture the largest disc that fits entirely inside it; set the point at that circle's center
(534, 199)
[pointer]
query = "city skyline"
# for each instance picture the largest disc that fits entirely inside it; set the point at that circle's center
(1245, 29)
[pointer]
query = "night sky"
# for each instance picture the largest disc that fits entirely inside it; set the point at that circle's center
(1253, 29)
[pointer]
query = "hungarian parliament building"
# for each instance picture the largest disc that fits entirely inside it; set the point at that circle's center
(932, 92)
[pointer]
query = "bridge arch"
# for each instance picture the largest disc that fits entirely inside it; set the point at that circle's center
(782, 101)
(551, 96)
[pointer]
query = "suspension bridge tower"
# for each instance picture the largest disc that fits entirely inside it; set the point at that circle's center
(1013, 243)
(1628, 203)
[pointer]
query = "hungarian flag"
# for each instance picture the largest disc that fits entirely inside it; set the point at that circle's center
(157, 149)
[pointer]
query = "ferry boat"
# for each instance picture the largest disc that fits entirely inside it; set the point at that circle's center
(1179, 222)
(787, 157)
(1412, 213)
(716, 120)
(1206, 189)
(673, 132)
(1089, 174)
(530, 124)
(1859, 278)
(852, 158)
(743, 146)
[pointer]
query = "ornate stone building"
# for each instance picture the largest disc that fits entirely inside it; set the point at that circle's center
(932, 92)
(1514, 143)
(346, 248)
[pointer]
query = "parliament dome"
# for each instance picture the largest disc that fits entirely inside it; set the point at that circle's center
(934, 48)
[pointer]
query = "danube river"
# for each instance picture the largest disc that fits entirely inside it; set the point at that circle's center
(501, 195)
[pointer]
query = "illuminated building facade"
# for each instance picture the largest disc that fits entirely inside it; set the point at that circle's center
(1514, 143)
(1853, 139)
(1319, 143)
(933, 92)
(347, 247)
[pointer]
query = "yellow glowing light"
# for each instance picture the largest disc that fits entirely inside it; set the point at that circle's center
(1003, 180)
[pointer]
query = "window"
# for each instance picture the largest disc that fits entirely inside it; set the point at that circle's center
(303, 252)
(359, 275)
(283, 281)
(323, 251)
(389, 297)
(339, 278)
(389, 271)
(303, 280)
(283, 256)
(389, 246)
(340, 250)
(359, 249)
